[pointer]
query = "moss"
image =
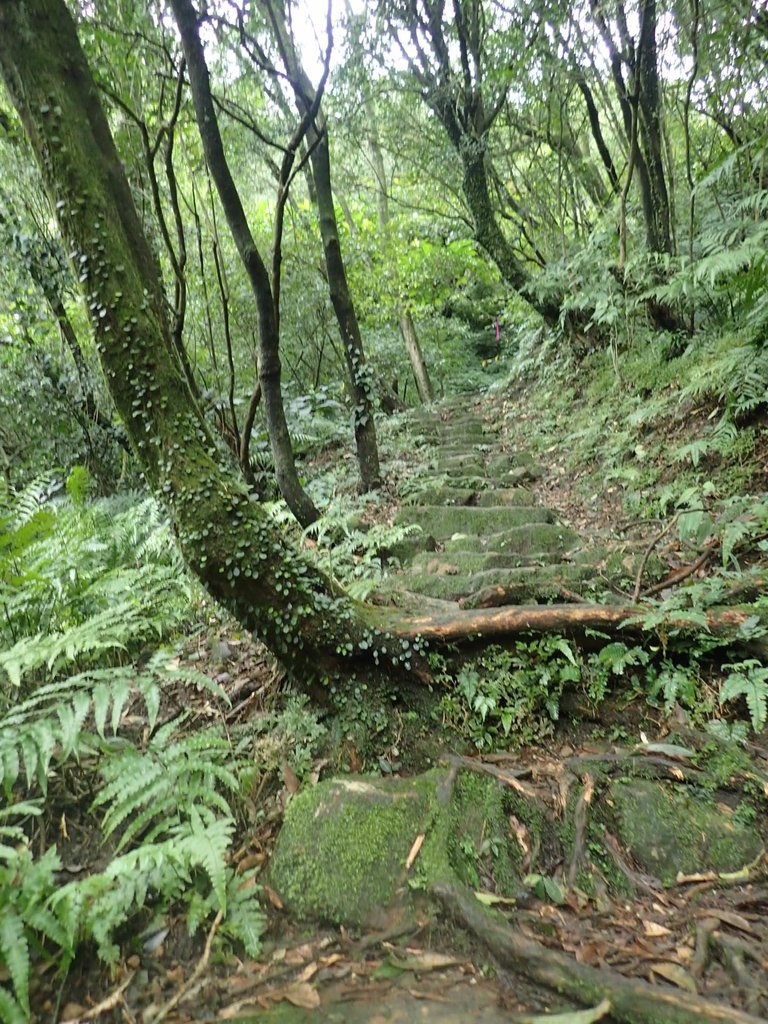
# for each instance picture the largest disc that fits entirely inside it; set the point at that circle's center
(341, 853)
(531, 539)
(668, 830)
(442, 522)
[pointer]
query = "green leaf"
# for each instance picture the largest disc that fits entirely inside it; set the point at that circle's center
(15, 953)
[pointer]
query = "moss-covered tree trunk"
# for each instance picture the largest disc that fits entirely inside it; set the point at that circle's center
(227, 539)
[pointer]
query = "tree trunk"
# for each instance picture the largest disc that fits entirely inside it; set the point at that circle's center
(341, 299)
(419, 367)
(649, 103)
(361, 391)
(488, 233)
(268, 358)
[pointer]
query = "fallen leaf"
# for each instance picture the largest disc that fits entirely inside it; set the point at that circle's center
(290, 779)
(302, 995)
(571, 1016)
(273, 898)
(655, 930)
(489, 899)
(427, 961)
(675, 975)
(734, 920)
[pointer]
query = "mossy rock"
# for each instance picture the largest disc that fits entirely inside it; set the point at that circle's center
(443, 522)
(442, 496)
(532, 539)
(341, 854)
(670, 829)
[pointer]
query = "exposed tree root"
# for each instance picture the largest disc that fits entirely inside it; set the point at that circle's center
(454, 625)
(633, 1001)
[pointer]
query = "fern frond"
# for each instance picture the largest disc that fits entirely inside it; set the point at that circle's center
(14, 954)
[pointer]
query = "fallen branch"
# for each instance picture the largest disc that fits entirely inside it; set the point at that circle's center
(647, 554)
(681, 574)
(632, 1000)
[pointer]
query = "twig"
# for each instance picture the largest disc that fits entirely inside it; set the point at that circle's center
(201, 966)
(105, 1005)
(647, 554)
(683, 573)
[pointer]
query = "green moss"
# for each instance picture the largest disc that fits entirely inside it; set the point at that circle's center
(442, 522)
(670, 829)
(341, 853)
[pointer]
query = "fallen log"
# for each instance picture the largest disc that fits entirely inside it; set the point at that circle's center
(632, 1000)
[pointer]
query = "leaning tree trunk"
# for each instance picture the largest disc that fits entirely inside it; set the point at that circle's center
(488, 233)
(419, 367)
(227, 539)
(268, 358)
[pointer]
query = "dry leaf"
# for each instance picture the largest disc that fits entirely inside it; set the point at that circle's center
(302, 995)
(675, 975)
(290, 779)
(273, 898)
(427, 961)
(655, 930)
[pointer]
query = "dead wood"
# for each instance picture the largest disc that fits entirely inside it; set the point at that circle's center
(632, 1000)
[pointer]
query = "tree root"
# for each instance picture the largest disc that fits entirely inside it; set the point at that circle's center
(632, 1000)
(454, 625)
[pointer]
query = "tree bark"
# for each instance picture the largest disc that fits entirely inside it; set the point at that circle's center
(268, 357)
(361, 391)
(419, 367)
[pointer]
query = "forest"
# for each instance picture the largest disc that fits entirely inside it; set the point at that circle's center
(383, 517)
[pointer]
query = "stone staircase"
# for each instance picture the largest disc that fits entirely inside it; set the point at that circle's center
(483, 539)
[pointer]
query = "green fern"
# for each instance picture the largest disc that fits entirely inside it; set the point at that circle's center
(748, 679)
(50, 724)
(147, 793)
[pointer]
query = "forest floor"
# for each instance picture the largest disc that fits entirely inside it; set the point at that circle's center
(500, 523)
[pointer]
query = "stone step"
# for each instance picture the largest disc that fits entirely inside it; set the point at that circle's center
(443, 522)
(521, 585)
(454, 563)
(447, 495)
(531, 539)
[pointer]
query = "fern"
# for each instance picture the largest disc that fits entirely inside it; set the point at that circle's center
(51, 723)
(147, 793)
(748, 679)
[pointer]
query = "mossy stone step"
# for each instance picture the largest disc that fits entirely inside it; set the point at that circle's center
(443, 522)
(532, 539)
(522, 585)
(436, 495)
(468, 496)
(453, 563)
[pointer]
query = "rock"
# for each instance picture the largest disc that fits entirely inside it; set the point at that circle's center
(668, 829)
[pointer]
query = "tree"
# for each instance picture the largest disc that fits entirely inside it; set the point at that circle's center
(267, 302)
(308, 104)
(467, 102)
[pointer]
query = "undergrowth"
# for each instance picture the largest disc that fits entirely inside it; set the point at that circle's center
(85, 587)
